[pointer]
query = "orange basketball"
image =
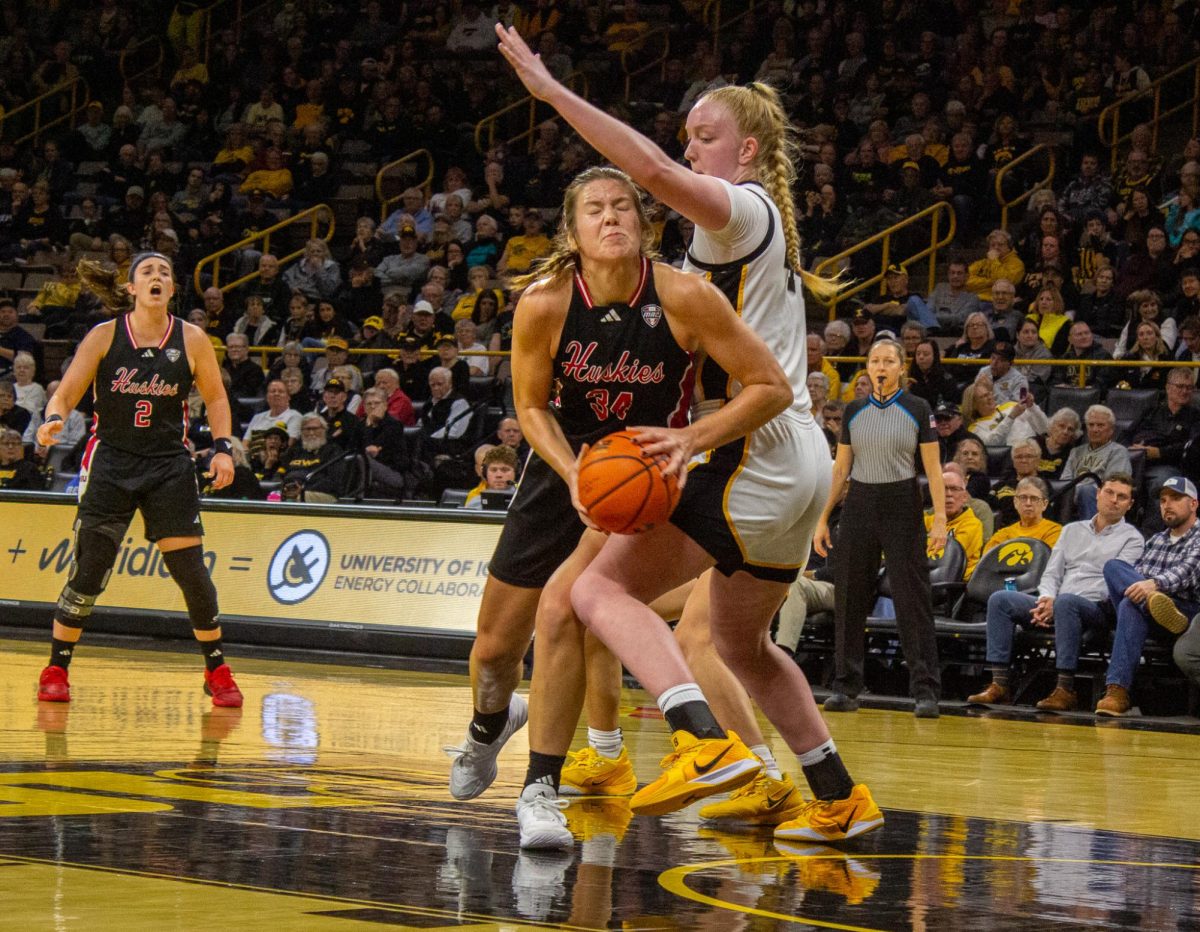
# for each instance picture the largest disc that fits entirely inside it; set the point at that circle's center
(623, 490)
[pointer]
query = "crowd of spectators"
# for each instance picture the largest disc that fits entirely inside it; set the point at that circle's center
(898, 106)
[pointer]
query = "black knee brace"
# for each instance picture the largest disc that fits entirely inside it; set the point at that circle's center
(191, 576)
(95, 554)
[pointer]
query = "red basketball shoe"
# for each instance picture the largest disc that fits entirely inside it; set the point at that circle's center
(219, 684)
(53, 685)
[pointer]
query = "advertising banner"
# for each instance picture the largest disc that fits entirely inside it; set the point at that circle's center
(392, 569)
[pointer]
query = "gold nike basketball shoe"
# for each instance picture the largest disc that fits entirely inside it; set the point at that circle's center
(696, 769)
(588, 773)
(825, 820)
(763, 801)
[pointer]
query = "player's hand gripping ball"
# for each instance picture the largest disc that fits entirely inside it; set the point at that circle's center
(623, 489)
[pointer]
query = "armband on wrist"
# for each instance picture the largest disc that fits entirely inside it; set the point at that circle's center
(52, 418)
(223, 445)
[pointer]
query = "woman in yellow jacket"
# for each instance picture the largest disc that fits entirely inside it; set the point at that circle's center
(1001, 261)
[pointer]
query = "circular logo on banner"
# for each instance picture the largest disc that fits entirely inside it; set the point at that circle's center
(298, 567)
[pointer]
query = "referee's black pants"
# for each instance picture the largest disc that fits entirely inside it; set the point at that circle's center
(885, 519)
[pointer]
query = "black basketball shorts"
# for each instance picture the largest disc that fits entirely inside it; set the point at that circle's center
(542, 529)
(162, 488)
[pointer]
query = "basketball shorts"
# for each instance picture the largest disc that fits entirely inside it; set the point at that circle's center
(114, 484)
(541, 530)
(754, 503)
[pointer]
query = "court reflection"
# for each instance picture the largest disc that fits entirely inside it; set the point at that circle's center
(323, 803)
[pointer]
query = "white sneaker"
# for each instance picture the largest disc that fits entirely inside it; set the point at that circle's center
(540, 815)
(538, 880)
(474, 768)
(465, 874)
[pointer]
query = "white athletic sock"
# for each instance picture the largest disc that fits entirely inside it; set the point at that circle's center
(770, 765)
(606, 743)
(817, 754)
(678, 695)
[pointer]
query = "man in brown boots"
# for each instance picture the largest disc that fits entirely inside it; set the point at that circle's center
(1070, 596)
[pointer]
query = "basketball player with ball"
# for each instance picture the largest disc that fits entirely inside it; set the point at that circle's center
(750, 508)
(603, 340)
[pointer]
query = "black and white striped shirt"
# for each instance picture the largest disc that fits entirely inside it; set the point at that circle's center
(885, 436)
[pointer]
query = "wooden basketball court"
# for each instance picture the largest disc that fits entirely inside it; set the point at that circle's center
(322, 805)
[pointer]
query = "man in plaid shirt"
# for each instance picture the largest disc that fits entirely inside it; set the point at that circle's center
(1163, 586)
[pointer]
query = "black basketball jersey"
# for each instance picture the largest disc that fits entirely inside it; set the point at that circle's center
(618, 365)
(141, 393)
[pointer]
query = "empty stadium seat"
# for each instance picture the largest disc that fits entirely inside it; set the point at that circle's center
(1130, 406)
(1070, 396)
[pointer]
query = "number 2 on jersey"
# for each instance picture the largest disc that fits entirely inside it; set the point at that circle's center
(141, 413)
(602, 409)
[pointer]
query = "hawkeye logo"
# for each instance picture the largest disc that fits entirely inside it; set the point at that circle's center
(1015, 554)
(298, 567)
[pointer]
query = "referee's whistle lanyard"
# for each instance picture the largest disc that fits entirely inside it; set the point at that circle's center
(879, 392)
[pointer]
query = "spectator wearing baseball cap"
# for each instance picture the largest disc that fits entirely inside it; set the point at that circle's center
(374, 337)
(862, 329)
(912, 196)
(412, 370)
(345, 429)
(448, 358)
(948, 422)
(1009, 385)
(405, 270)
(1157, 595)
(900, 304)
(424, 325)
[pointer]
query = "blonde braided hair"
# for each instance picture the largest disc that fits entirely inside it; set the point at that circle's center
(759, 113)
(563, 254)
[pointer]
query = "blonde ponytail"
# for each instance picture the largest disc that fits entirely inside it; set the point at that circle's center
(759, 113)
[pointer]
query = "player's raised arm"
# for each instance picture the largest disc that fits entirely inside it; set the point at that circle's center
(702, 200)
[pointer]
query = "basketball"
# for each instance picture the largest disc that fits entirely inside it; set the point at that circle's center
(623, 490)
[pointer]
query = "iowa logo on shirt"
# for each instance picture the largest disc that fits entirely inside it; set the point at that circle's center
(652, 314)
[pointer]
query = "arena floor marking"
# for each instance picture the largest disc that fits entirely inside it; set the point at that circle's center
(323, 801)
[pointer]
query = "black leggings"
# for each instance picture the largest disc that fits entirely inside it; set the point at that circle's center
(884, 519)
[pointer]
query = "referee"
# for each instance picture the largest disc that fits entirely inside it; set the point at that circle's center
(882, 515)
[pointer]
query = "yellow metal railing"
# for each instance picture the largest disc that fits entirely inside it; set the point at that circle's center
(34, 117)
(714, 21)
(1082, 365)
(934, 214)
(390, 170)
(147, 56)
(630, 56)
(486, 129)
(313, 216)
(227, 14)
(1043, 183)
(1109, 125)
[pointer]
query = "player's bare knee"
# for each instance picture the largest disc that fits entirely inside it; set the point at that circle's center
(590, 592)
(556, 618)
(497, 653)
(694, 638)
